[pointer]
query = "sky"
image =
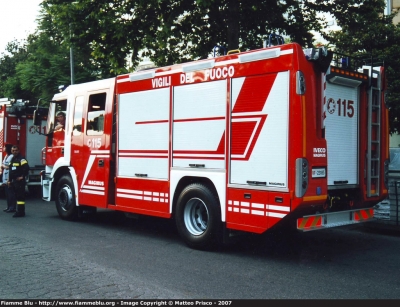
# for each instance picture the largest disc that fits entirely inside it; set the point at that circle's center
(17, 20)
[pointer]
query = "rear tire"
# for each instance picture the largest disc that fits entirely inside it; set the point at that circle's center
(65, 199)
(198, 217)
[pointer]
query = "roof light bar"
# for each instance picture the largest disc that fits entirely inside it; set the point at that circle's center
(349, 73)
(346, 77)
(345, 81)
(142, 75)
(261, 55)
(198, 66)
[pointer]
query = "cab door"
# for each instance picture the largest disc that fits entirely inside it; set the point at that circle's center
(91, 148)
(77, 148)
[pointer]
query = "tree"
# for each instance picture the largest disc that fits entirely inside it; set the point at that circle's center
(38, 66)
(10, 85)
(111, 37)
(379, 40)
(45, 68)
(47, 65)
(177, 30)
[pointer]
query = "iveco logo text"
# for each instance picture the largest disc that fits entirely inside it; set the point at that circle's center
(319, 152)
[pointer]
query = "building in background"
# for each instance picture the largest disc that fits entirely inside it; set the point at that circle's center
(391, 7)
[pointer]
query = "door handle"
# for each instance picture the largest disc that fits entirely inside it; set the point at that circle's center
(140, 175)
(101, 163)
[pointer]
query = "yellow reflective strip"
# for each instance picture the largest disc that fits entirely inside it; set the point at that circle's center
(24, 162)
(316, 220)
(303, 223)
(20, 203)
(314, 198)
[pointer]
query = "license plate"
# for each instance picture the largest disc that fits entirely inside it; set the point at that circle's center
(318, 173)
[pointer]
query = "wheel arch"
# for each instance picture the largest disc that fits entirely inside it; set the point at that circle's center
(216, 187)
(60, 172)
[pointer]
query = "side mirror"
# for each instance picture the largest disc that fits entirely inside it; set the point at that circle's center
(37, 118)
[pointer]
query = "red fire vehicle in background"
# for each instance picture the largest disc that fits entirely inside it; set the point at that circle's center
(17, 128)
(241, 142)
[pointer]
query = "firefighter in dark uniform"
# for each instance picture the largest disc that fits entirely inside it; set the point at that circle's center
(19, 169)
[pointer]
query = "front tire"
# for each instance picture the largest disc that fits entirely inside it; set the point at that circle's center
(198, 217)
(65, 199)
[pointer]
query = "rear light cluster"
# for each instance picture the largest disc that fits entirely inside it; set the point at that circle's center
(302, 176)
(347, 73)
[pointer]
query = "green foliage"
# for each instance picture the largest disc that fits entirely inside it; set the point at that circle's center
(111, 37)
(176, 31)
(10, 85)
(48, 63)
(379, 39)
(36, 68)
(45, 68)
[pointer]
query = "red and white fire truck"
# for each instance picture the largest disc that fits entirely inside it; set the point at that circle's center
(240, 142)
(16, 127)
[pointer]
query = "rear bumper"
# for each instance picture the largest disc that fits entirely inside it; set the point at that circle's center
(334, 219)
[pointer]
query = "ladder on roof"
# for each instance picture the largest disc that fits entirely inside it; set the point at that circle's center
(374, 134)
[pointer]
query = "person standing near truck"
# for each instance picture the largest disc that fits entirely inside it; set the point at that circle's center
(19, 169)
(5, 172)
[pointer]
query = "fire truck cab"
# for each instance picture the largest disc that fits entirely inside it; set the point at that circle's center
(17, 128)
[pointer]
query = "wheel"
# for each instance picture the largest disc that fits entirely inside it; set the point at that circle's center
(198, 217)
(65, 199)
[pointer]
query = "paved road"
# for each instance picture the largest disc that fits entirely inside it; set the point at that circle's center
(110, 256)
